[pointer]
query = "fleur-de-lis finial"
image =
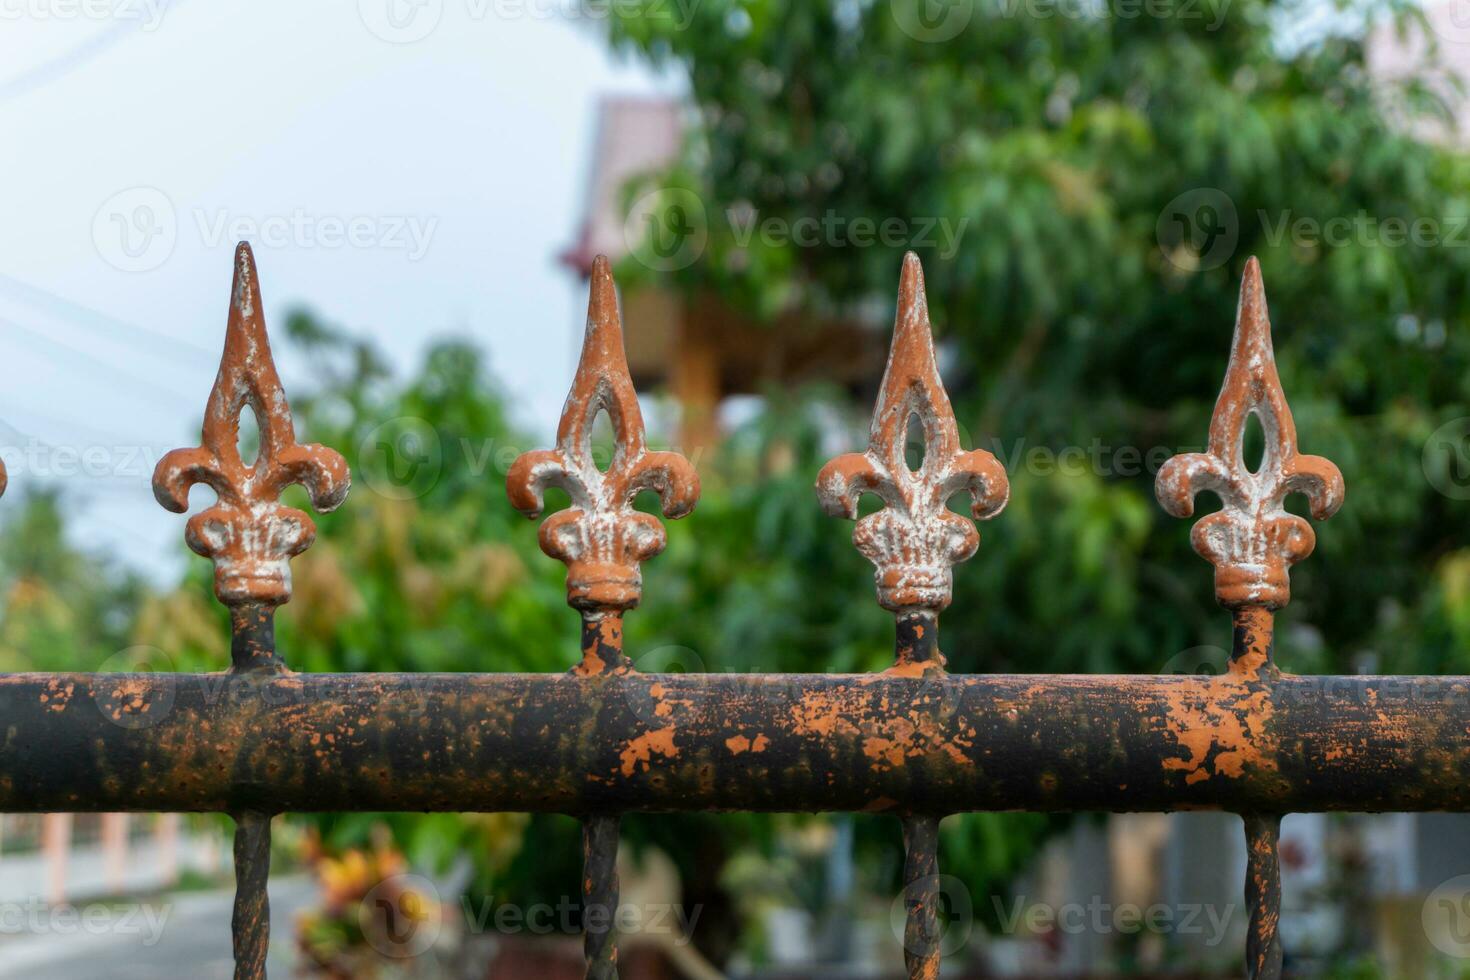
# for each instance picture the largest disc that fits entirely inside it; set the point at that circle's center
(602, 540)
(915, 540)
(1252, 541)
(248, 533)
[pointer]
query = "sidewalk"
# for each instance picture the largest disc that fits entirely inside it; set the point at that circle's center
(178, 935)
(24, 878)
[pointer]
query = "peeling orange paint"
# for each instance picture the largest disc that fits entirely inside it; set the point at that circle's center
(643, 748)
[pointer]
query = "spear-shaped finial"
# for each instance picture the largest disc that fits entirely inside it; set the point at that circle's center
(248, 533)
(915, 540)
(1252, 541)
(601, 538)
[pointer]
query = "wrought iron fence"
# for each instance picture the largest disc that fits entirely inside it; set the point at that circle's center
(603, 739)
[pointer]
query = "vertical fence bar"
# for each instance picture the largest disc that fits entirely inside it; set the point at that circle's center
(250, 925)
(251, 538)
(921, 897)
(603, 541)
(913, 543)
(1263, 950)
(1253, 542)
(600, 895)
(1253, 643)
(253, 638)
(602, 643)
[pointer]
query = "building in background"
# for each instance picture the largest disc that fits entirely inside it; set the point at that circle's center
(700, 350)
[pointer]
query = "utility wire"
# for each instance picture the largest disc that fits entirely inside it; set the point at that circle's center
(95, 320)
(150, 383)
(69, 61)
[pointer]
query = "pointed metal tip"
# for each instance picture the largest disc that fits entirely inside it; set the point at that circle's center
(602, 303)
(243, 290)
(1252, 286)
(1252, 323)
(913, 272)
(913, 305)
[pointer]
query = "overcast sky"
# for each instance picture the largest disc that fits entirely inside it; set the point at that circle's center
(405, 168)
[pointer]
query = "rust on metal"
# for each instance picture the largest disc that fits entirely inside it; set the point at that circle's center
(1252, 541)
(921, 934)
(250, 536)
(912, 741)
(600, 896)
(915, 540)
(549, 743)
(604, 541)
(250, 924)
(1263, 950)
(601, 538)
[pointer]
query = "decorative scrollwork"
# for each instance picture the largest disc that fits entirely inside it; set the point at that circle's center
(250, 536)
(1252, 541)
(602, 540)
(915, 540)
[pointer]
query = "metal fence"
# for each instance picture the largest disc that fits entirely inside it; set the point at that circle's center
(604, 739)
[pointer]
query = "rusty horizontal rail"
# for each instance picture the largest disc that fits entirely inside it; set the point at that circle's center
(795, 742)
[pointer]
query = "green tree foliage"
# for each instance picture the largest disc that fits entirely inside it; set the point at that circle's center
(1111, 174)
(428, 568)
(61, 607)
(1103, 179)
(1104, 170)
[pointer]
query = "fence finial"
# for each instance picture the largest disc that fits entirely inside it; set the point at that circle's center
(1252, 541)
(600, 537)
(915, 539)
(248, 533)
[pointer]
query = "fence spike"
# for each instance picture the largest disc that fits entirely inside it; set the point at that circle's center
(915, 540)
(248, 534)
(602, 540)
(1252, 541)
